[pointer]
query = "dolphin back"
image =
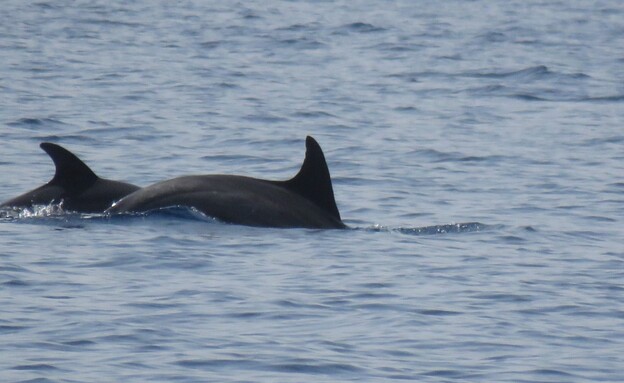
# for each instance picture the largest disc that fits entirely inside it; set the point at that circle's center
(306, 200)
(74, 183)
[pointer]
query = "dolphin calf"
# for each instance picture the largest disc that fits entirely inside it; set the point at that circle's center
(74, 185)
(306, 200)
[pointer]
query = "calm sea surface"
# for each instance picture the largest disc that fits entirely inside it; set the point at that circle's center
(477, 152)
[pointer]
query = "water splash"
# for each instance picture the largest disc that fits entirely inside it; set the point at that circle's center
(11, 213)
(55, 212)
(171, 212)
(465, 227)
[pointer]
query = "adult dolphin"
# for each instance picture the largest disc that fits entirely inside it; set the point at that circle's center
(306, 200)
(74, 185)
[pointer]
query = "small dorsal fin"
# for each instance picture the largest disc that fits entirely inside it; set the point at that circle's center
(71, 172)
(313, 180)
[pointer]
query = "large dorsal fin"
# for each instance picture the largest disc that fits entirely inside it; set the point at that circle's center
(313, 181)
(71, 172)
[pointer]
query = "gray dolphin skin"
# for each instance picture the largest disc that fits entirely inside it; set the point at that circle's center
(305, 201)
(74, 184)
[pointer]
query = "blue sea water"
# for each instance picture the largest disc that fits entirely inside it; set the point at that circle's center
(477, 153)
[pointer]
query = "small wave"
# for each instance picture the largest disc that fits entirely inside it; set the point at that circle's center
(495, 158)
(533, 72)
(35, 123)
(264, 118)
(552, 95)
(313, 114)
(527, 97)
(467, 227)
(494, 37)
(37, 380)
(210, 44)
(436, 156)
(494, 89)
(438, 312)
(400, 47)
(47, 5)
(360, 27)
(216, 363)
(79, 343)
(302, 43)
(300, 27)
(407, 109)
(417, 76)
(68, 138)
(316, 369)
(111, 22)
(15, 283)
(10, 329)
(35, 367)
(614, 98)
(553, 373)
(227, 85)
(447, 374)
(363, 27)
(237, 158)
(512, 298)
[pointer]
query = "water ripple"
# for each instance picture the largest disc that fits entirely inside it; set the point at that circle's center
(360, 27)
(35, 367)
(312, 368)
